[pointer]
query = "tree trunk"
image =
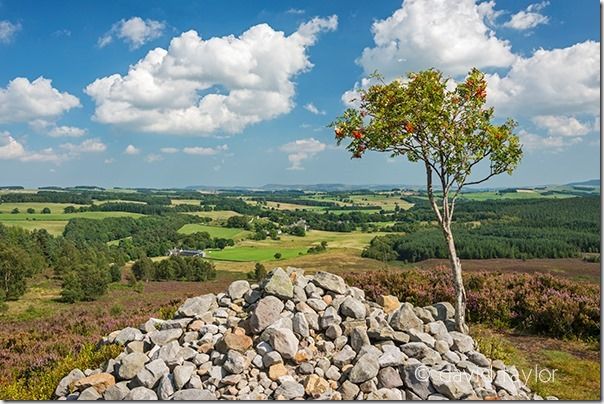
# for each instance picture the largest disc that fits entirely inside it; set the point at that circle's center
(460, 292)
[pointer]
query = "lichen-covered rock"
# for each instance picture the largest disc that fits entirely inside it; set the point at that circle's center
(238, 289)
(453, 385)
(367, 367)
(197, 306)
(284, 341)
(279, 284)
(128, 334)
(132, 364)
(330, 282)
(62, 389)
(194, 395)
(266, 313)
(141, 394)
(405, 319)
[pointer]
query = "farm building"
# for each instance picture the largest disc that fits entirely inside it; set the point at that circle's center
(179, 252)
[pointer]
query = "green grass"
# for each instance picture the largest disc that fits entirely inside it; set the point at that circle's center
(340, 212)
(355, 240)
(215, 231)
(54, 227)
(290, 206)
(8, 217)
(215, 214)
(575, 378)
(54, 223)
(568, 370)
(176, 202)
(255, 253)
(38, 206)
(41, 383)
(291, 246)
(386, 202)
(98, 202)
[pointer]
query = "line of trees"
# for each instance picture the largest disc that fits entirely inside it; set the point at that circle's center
(148, 236)
(193, 269)
(499, 229)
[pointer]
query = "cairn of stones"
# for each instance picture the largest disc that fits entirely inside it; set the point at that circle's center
(297, 336)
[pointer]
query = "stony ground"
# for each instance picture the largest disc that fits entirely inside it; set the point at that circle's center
(296, 336)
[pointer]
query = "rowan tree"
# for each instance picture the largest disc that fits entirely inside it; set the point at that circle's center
(449, 130)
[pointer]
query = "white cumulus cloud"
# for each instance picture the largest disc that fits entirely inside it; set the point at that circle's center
(529, 18)
(169, 150)
(134, 31)
(300, 150)
(8, 30)
(152, 158)
(23, 101)
(560, 125)
(533, 142)
(449, 35)
(131, 150)
(67, 131)
(87, 146)
(550, 82)
(12, 149)
(310, 107)
(205, 151)
(199, 86)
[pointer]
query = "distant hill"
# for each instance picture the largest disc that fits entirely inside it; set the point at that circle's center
(309, 187)
(588, 183)
(595, 183)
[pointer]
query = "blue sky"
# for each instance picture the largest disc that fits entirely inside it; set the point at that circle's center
(169, 94)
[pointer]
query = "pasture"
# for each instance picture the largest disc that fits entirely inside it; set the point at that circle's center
(38, 206)
(215, 214)
(353, 240)
(293, 248)
(54, 223)
(176, 202)
(255, 253)
(292, 206)
(385, 201)
(54, 227)
(8, 217)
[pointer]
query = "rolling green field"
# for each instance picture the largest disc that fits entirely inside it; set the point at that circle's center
(97, 202)
(38, 206)
(176, 202)
(214, 231)
(340, 212)
(215, 214)
(385, 201)
(292, 206)
(54, 227)
(353, 240)
(9, 217)
(254, 253)
(54, 223)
